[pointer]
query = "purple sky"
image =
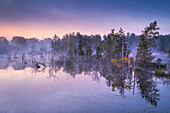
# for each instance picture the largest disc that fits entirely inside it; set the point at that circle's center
(38, 18)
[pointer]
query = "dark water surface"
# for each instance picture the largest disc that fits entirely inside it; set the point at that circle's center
(81, 89)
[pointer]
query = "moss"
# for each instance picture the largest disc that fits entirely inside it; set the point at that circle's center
(159, 72)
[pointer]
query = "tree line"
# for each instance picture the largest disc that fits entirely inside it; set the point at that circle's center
(115, 45)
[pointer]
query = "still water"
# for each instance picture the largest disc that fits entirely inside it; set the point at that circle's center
(64, 90)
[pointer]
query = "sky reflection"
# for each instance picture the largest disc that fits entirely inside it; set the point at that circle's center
(23, 90)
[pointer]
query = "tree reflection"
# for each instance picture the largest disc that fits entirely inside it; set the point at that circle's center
(148, 88)
(119, 79)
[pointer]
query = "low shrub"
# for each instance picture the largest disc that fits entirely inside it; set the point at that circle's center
(159, 72)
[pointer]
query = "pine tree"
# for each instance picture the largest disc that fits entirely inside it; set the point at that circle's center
(88, 49)
(71, 46)
(108, 45)
(80, 48)
(55, 43)
(120, 44)
(75, 50)
(97, 51)
(146, 44)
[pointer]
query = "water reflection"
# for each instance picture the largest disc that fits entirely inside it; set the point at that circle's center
(148, 88)
(118, 79)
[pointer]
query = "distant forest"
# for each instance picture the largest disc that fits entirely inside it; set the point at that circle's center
(70, 44)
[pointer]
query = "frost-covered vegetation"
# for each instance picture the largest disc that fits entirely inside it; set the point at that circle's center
(116, 45)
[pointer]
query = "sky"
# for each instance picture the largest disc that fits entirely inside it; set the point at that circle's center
(44, 18)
